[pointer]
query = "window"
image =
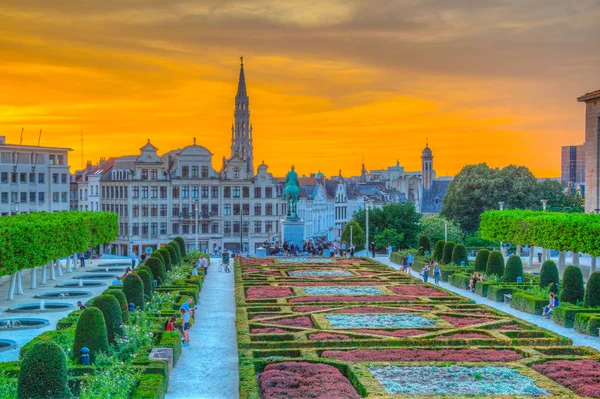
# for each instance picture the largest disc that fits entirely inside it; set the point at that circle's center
(226, 192)
(32, 196)
(175, 210)
(236, 192)
(194, 171)
(236, 173)
(135, 229)
(31, 178)
(14, 197)
(60, 160)
(227, 227)
(204, 227)
(175, 228)
(257, 192)
(185, 210)
(236, 227)
(23, 178)
(204, 191)
(52, 159)
(4, 177)
(135, 192)
(227, 210)
(214, 209)
(257, 227)
(63, 178)
(214, 192)
(204, 171)
(153, 210)
(23, 198)
(163, 227)
(245, 225)
(41, 197)
(175, 192)
(257, 209)
(163, 192)
(13, 177)
(55, 197)
(185, 192)
(144, 192)
(268, 227)
(145, 228)
(204, 210)
(246, 209)
(4, 198)
(153, 174)
(40, 178)
(185, 171)
(246, 192)
(185, 229)
(195, 191)
(268, 192)
(144, 210)
(214, 228)
(154, 192)
(236, 209)
(268, 209)
(153, 228)
(163, 210)
(64, 197)
(144, 176)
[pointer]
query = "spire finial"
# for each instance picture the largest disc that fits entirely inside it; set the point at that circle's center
(194, 141)
(242, 61)
(427, 142)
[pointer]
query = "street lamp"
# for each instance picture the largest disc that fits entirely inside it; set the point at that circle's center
(367, 222)
(196, 212)
(501, 205)
(446, 231)
(351, 228)
(544, 204)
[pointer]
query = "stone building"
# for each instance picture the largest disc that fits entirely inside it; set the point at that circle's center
(592, 150)
(572, 165)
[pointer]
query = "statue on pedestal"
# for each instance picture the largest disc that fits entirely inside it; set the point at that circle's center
(291, 193)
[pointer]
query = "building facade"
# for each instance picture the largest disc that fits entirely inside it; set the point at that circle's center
(592, 150)
(33, 179)
(572, 165)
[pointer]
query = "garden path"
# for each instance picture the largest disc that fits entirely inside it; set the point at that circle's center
(578, 339)
(208, 368)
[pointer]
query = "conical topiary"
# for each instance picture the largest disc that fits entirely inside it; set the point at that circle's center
(166, 258)
(495, 264)
(481, 260)
(448, 248)
(157, 268)
(177, 250)
(438, 253)
(513, 269)
(158, 254)
(90, 333)
(592, 291)
(146, 275)
(173, 255)
(181, 243)
(120, 295)
(133, 288)
(111, 310)
(423, 245)
(459, 255)
(549, 276)
(572, 285)
(43, 373)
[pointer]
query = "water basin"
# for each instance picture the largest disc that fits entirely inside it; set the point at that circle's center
(22, 324)
(64, 294)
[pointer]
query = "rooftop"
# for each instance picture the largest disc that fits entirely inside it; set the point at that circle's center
(589, 96)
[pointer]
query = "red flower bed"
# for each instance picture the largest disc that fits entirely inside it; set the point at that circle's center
(351, 298)
(464, 336)
(509, 327)
(396, 333)
(423, 355)
(309, 308)
(326, 336)
(268, 331)
(252, 270)
(254, 262)
(465, 321)
(416, 290)
(264, 316)
(418, 307)
(582, 376)
(299, 380)
(302, 321)
(268, 292)
(365, 273)
(351, 261)
(371, 310)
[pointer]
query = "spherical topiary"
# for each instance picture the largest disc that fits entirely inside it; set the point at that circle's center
(592, 291)
(91, 333)
(146, 275)
(459, 255)
(43, 373)
(181, 242)
(481, 260)
(572, 285)
(438, 253)
(166, 258)
(549, 276)
(495, 264)
(111, 310)
(447, 256)
(513, 269)
(172, 254)
(155, 264)
(177, 250)
(133, 288)
(424, 245)
(120, 296)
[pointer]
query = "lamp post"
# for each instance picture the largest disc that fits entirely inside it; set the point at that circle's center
(446, 231)
(351, 228)
(501, 206)
(544, 204)
(241, 223)
(367, 223)
(196, 211)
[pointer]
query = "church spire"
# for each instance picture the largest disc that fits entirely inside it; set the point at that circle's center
(241, 133)
(241, 92)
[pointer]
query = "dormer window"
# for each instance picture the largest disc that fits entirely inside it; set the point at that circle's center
(236, 173)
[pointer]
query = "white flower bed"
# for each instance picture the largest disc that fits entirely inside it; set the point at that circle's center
(361, 320)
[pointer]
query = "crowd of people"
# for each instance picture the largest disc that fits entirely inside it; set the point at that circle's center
(309, 247)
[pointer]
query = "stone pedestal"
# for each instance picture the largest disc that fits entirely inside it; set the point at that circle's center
(162, 354)
(293, 231)
(261, 253)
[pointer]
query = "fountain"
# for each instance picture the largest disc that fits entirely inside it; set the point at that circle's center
(6, 344)
(64, 294)
(94, 275)
(81, 283)
(22, 324)
(41, 307)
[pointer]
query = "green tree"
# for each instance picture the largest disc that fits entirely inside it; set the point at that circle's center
(459, 255)
(476, 241)
(481, 260)
(592, 291)
(90, 333)
(424, 246)
(358, 235)
(559, 198)
(400, 217)
(495, 264)
(438, 253)
(447, 256)
(434, 228)
(43, 373)
(389, 237)
(513, 269)
(549, 276)
(572, 286)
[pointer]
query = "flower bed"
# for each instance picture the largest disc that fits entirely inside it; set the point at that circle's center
(464, 336)
(402, 320)
(329, 284)
(302, 321)
(392, 333)
(326, 336)
(416, 290)
(423, 355)
(348, 290)
(268, 331)
(305, 260)
(455, 380)
(320, 273)
(302, 309)
(582, 376)
(268, 292)
(349, 298)
(371, 310)
(299, 380)
(465, 321)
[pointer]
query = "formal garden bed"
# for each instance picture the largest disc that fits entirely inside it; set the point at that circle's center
(376, 332)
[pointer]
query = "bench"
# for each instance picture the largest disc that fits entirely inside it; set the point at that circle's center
(507, 298)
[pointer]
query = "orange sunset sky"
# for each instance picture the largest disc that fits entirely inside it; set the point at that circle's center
(329, 81)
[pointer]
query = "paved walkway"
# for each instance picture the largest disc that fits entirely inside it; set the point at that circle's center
(578, 339)
(208, 368)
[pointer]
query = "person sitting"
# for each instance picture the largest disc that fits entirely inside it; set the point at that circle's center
(476, 278)
(81, 305)
(195, 270)
(552, 303)
(170, 326)
(117, 281)
(554, 306)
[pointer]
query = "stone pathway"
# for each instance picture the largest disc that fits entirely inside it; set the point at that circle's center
(578, 339)
(208, 368)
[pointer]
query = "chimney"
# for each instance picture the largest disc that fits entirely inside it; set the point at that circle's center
(88, 165)
(102, 161)
(2, 140)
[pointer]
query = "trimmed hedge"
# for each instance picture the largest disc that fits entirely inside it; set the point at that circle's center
(460, 280)
(151, 386)
(513, 269)
(572, 285)
(592, 291)
(527, 302)
(549, 277)
(133, 288)
(146, 275)
(424, 245)
(481, 287)
(495, 264)
(438, 253)
(172, 339)
(44, 373)
(158, 269)
(593, 326)
(582, 321)
(481, 260)
(447, 271)
(447, 256)
(171, 250)
(496, 292)
(459, 255)
(177, 252)
(120, 295)
(180, 241)
(90, 333)
(111, 310)
(565, 314)
(166, 258)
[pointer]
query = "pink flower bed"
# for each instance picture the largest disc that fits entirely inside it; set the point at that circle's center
(326, 284)
(464, 336)
(416, 290)
(264, 316)
(371, 310)
(582, 376)
(396, 333)
(268, 292)
(418, 307)
(309, 308)
(351, 261)
(510, 327)
(351, 298)
(423, 355)
(252, 270)
(299, 380)
(326, 336)
(465, 321)
(302, 321)
(268, 331)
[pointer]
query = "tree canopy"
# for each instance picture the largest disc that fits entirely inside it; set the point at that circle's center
(403, 218)
(434, 226)
(358, 235)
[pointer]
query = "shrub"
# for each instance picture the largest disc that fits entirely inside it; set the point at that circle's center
(572, 285)
(513, 269)
(424, 245)
(91, 333)
(133, 288)
(565, 314)
(151, 386)
(120, 295)
(111, 310)
(582, 321)
(481, 260)
(592, 291)
(447, 254)
(549, 276)
(159, 256)
(460, 280)
(44, 373)
(146, 275)
(497, 292)
(438, 253)
(154, 264)
(459, 255)
(527, 302)
(593, 326)
(176, 248)
(495, 264)
(171, 339)
(481, 288)
(173, 255)
(179, 241)
(166, 258)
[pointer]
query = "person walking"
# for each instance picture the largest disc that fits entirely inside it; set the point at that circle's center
(373, 248)
(405, 264)
(425, 272)
(390, 250)
(410, 258)
(204, 265)
(437, 272)
(185, 323)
